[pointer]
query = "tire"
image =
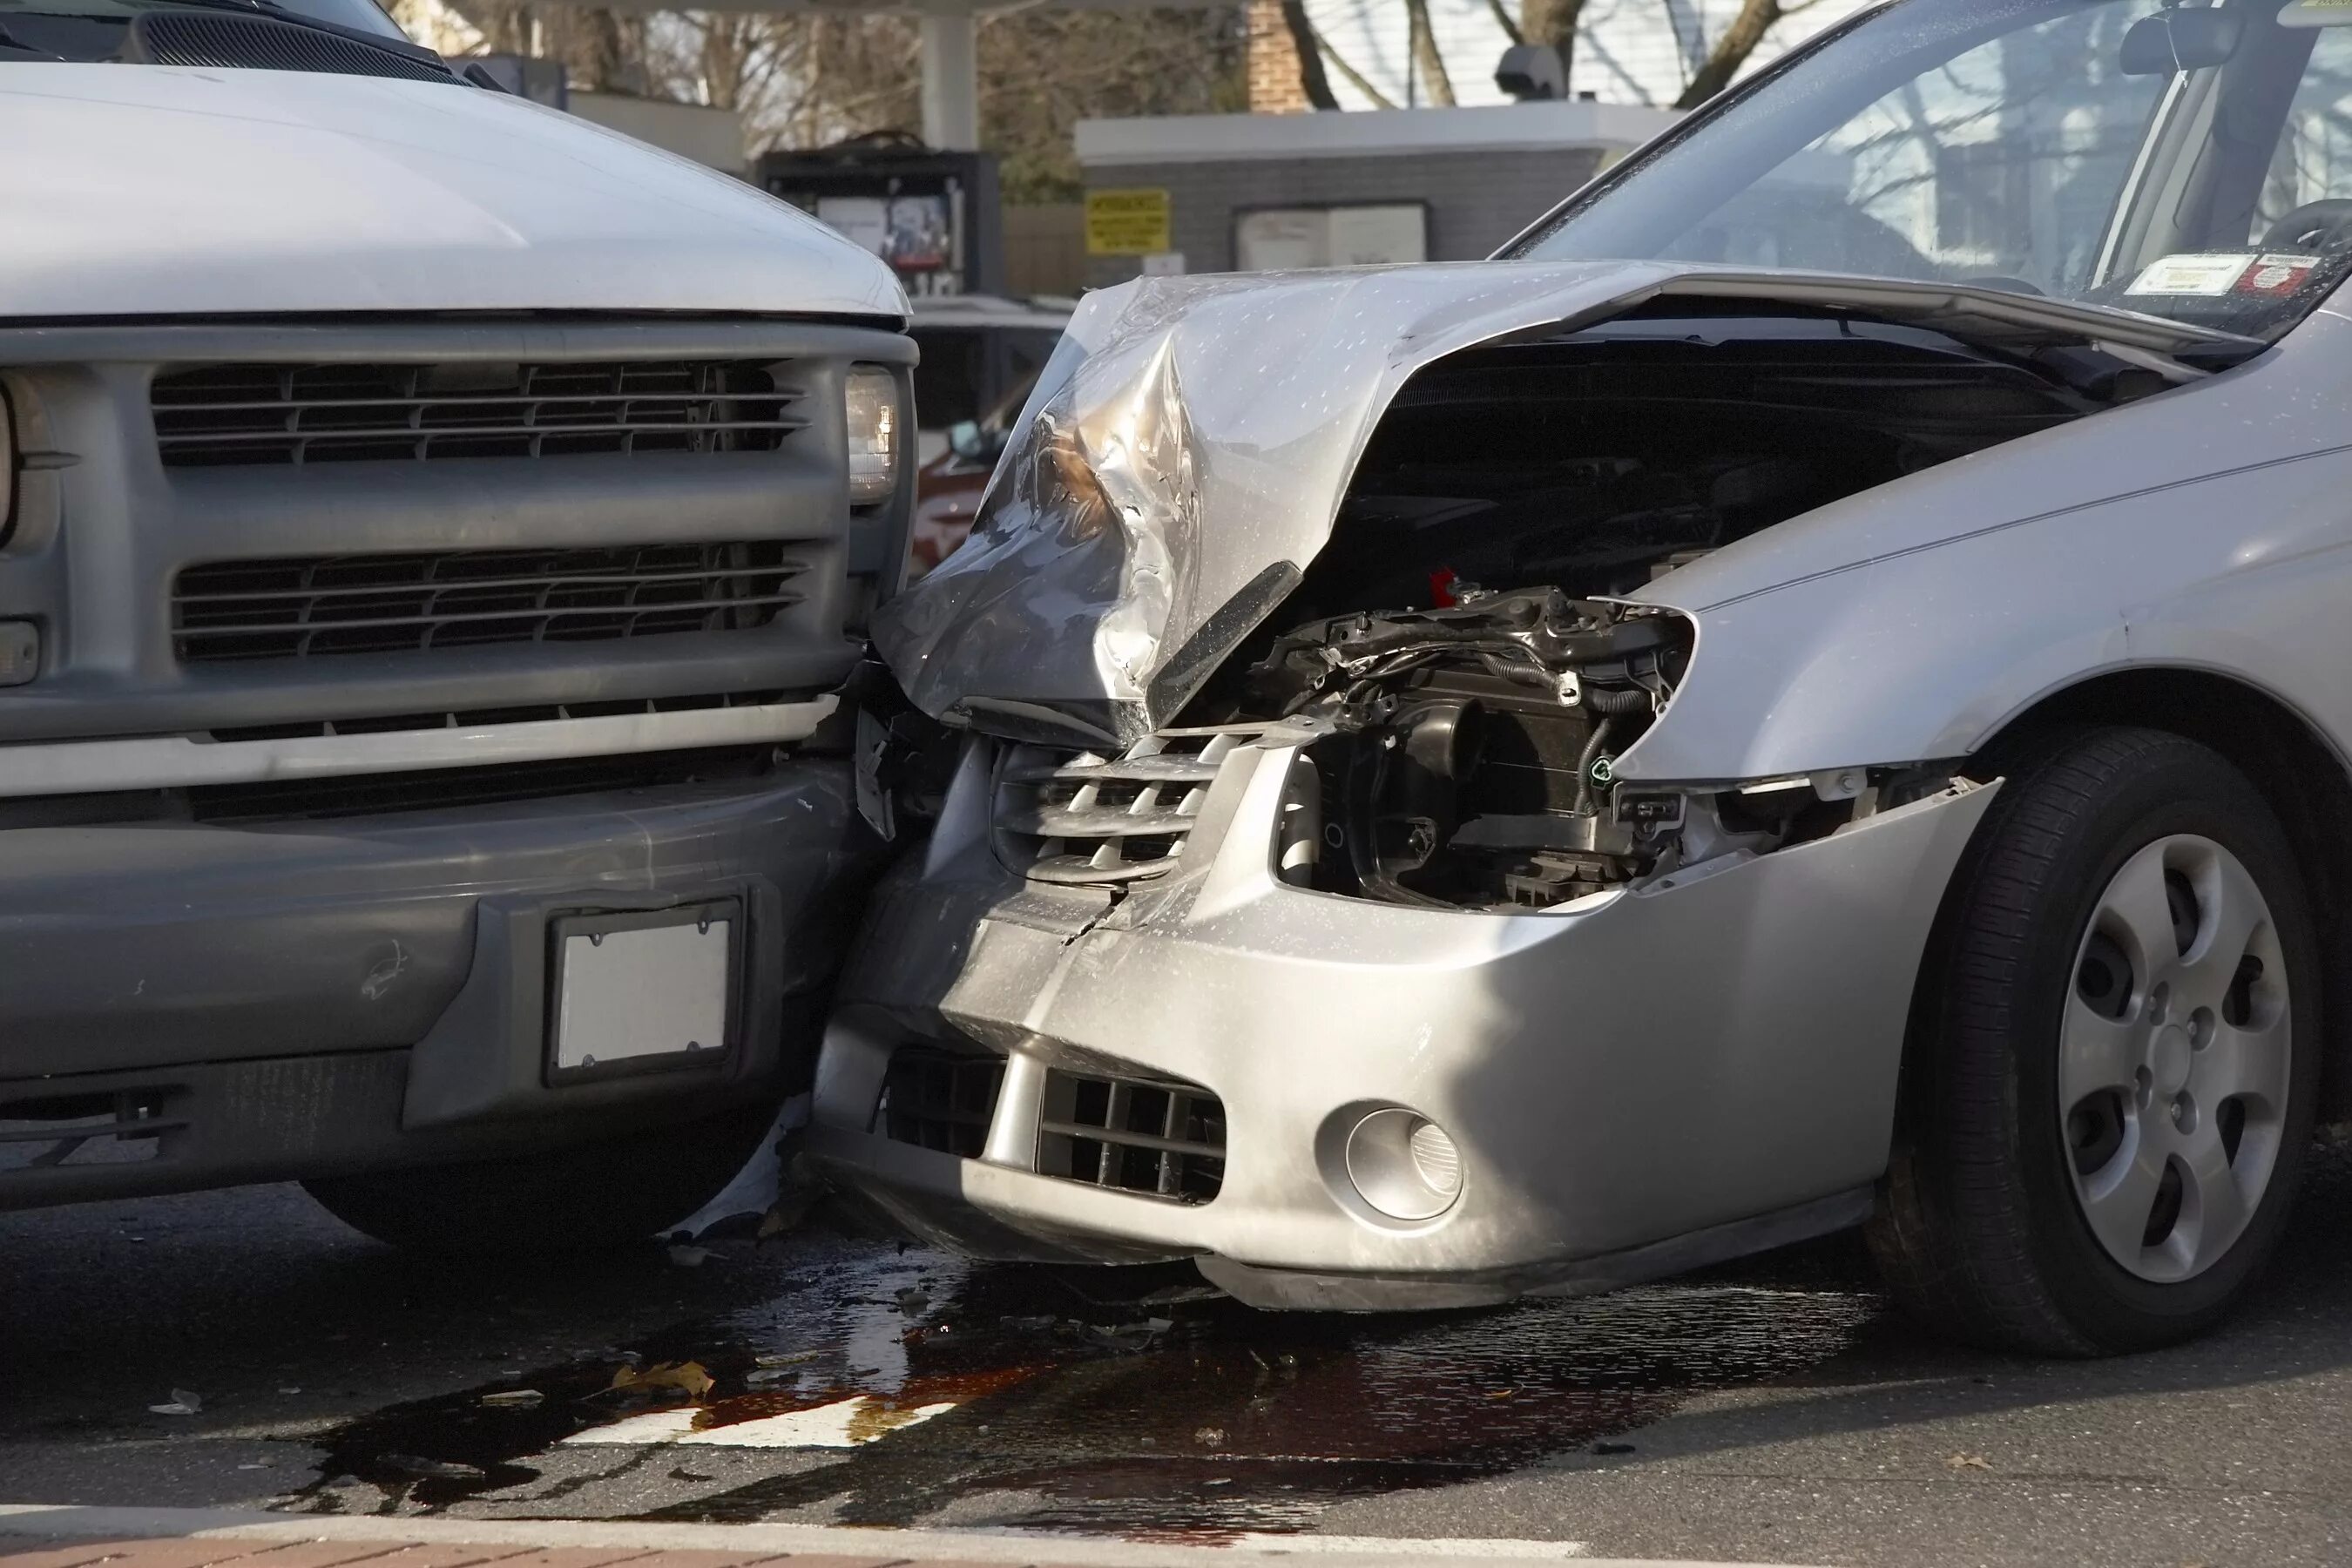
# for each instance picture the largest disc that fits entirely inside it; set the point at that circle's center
(2008, 1216)
(593, 1195)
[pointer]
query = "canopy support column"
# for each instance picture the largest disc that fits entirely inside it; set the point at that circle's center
(951, 79)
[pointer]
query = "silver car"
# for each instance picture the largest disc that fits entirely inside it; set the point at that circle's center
(1813, 690)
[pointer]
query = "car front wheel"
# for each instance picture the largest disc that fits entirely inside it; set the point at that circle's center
(2115, 1059)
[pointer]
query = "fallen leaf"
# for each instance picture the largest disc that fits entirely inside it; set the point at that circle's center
(181, 1403)
(1968, 1462)
(785, 1358)
(687, 1377)
(516, 1398)
(1209, 1436)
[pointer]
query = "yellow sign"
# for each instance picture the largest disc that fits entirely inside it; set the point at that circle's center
(1126, 223)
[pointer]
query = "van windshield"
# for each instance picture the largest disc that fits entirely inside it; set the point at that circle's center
(2194, 162)
(93, 30)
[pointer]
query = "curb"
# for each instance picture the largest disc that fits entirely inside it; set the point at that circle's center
(912, 1547)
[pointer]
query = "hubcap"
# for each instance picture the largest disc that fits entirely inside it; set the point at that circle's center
(2174, 1059)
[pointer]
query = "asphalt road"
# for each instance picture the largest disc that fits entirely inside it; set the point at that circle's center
(1777, 1411)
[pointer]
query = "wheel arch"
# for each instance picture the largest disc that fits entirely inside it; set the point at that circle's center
(2287, 759)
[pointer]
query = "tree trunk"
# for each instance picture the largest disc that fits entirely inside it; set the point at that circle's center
(1731, 51)
(1427, 60)
(1553, 22)
(1309, 49)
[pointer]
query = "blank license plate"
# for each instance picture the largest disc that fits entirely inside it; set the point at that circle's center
(637, 988)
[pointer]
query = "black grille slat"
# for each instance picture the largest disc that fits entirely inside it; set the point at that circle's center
(243, 415)
(1158, 1137)
(308, 606)
(939, 1099)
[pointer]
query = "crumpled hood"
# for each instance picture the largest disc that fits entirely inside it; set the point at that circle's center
(151, 190)
(1184, 456)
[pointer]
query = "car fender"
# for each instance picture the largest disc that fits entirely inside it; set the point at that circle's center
(1882, 630)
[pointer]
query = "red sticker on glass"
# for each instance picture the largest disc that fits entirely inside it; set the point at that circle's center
(2273, 274)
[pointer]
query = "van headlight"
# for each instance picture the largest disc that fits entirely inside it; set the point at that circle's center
(872, 397)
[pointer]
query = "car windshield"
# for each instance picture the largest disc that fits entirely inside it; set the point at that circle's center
(2194, 162)
(92, 29)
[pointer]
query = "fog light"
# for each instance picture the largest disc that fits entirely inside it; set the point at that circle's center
(1404, 1166)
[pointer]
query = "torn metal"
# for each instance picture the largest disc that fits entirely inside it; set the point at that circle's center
(1184, 456)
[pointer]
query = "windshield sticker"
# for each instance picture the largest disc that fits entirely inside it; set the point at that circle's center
(2209, 274)
(2273, 274)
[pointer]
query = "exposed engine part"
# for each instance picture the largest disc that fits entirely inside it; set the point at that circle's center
(1467, 756)
(1469, 761)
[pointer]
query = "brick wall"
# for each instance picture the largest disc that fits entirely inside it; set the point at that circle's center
(1274, 86)
(1476, 200)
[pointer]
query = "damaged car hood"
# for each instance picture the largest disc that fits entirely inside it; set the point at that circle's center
(1184, 456)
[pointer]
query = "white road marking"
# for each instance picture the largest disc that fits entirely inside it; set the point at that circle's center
(843, 1424)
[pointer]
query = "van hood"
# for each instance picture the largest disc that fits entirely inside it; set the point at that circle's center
(1186, 453)
(161, 190)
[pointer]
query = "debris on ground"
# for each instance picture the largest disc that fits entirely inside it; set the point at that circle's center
(1127, 1339)
(687, 1256)
(686, 1377)
(514, 1398)
(913, 1300)
(1612, 1447)
(1968, 1462)
(1209, 1436)
(785, 1358)
(181, 1403)
(430, 1469)
(770, 1376)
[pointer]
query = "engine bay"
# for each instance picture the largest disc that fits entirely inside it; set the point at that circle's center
(1459, 640)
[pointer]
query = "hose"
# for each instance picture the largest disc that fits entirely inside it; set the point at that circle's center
(1634, 700)
(1591, 755)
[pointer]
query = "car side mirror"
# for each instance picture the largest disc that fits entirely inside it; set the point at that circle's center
(2182, 39)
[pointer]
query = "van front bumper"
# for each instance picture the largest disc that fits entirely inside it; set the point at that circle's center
(298, 999)
(1699, 1069)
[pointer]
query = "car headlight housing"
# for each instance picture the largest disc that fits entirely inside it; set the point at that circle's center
(872, 399)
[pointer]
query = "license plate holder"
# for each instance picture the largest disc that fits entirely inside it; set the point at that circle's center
(642, 990)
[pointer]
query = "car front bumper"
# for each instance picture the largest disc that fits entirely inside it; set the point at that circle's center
(310, 998)
(1702, 1068)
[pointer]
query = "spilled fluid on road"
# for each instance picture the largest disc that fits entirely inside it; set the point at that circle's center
(902, 1388)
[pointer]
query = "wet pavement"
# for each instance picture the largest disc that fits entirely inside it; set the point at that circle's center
(1776, 1410)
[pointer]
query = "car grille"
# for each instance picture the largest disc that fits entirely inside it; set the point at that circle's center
(939, 1099)
(1139, 1136)
(1156, 1137)
(304, 606)
(1084, 817)
(221, 415)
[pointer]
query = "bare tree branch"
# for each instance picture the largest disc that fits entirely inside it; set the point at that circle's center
(1356, 79)
(1312, 80)
(1426, 61)
(1731, 51)
(1504, 20)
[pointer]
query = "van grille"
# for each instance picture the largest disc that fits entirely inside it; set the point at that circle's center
(314, 605)
(1140, 1135)
(224, 414)
(1084, 817)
